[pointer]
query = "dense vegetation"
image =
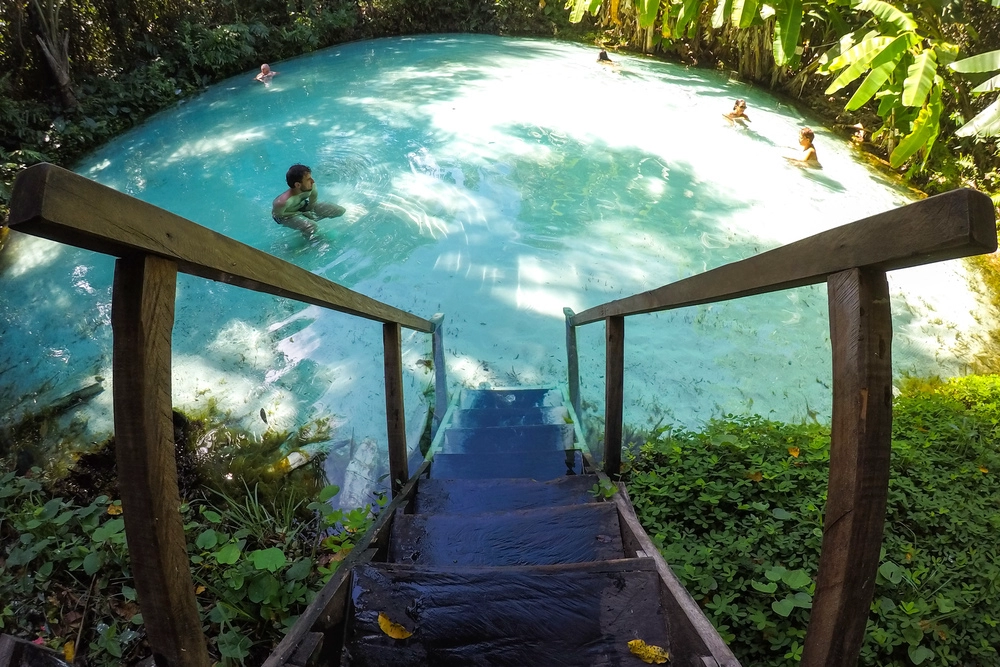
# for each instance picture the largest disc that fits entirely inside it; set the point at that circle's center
(738, 510)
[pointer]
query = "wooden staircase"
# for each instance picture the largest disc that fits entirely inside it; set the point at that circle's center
(506, 557)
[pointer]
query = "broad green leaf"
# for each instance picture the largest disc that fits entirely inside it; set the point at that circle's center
(93, 562)
(775, 573)
(937, 107)
(797, 579)
(689, 12)
(723, 9)
(207, 540)
(895, 49)
(899, 19)
(802, 599)
(648, 9)
(919, 79)
(871, 85)
(890, 570)
(781, 514)
(272, 559)
(769, 587)
(263, 587)
(920, 133)
(986, 124)
(580, 7)
(988, 86)
(984, 62)
(783, 607)
(859, 59)
(234, 645)
(228, 554)
(299, 570)
(329, 492)
(919, 653)
(786, 32)
(744, 12)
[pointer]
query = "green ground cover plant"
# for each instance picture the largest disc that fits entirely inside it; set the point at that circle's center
(737, 511)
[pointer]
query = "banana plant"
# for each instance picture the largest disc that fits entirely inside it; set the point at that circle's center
(987, 122)
(902, 72)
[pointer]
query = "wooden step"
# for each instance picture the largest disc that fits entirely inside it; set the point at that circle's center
(582, 614)
(510, 398)
(537, 465)
(479, 417)
(508, 438)
(545, 536)
(463, 496)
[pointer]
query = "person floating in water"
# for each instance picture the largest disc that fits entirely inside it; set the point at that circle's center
(808, 157)
(603, 58)
(266, 74)
(738, 114)
(298, 207)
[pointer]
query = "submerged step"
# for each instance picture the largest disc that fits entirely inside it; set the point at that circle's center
(539, 465)
(543, 615)
(478, 417)
(545, 536)
(510, 398)
(463, 496)
(508, 438)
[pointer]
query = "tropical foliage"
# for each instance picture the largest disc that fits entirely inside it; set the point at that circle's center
(737, 510)
(897, 66)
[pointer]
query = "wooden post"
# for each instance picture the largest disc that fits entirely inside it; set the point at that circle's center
(440, 372)
(142, 319)
(572, 363)
(861, 335)
(395, 420)
(614, 394)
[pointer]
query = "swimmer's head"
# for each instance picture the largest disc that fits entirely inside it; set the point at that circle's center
(265, 69)
(741, 104)
(296, 174)
(806, 133)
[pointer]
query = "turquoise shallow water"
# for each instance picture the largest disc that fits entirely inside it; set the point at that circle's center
(495, 180)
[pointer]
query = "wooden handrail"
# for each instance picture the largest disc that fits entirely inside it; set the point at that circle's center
(57, 204)
(853, 260)
(152, 246)
(954, 224)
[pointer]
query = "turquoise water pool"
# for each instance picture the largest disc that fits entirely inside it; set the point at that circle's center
(497, 181)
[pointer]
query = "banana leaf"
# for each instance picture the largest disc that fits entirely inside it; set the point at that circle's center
(689, 11)
(984, 62)
(936, 108)
(859, 58)
(895, 49)
(786, 32)
(920, 132)
(648, 9)
(581, 7)
(986, 124)
(919, 78)
(744, 12)
(988, 86)
(723, 8)
(899, 19)
(871, 85)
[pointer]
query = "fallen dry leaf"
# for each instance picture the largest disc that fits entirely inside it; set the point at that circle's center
(794, 451)
(69, 651)
(651, 655)
(394, 630)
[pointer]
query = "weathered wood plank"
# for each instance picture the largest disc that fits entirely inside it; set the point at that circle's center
(861, 335)
(395, 419)
(955, 224)
(440, 372)
(688, 624)
(59, 205)
(572, 362)
(614, 394)
(329, 606)
(142, 318)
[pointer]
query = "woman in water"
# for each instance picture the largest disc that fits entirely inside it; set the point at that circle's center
(738, 114)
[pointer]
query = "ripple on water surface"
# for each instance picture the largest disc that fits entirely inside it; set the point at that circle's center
(495, 180)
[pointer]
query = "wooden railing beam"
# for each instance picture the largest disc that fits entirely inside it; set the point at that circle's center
(57, 204)
(142, 319)
(572, 363)
(955, 224)
(861, 336)
(614, 394)
(395, 420)
(440, 372)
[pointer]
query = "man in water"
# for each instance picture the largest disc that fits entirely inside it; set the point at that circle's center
(603, 58)
(266, 74)
(808, 157)
(298, 207)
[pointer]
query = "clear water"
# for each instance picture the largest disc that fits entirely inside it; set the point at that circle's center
(495, 180)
